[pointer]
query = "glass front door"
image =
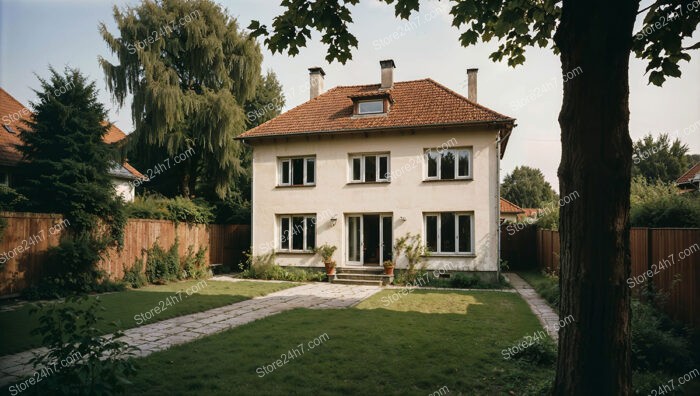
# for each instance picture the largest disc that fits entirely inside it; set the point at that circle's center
(369, 239)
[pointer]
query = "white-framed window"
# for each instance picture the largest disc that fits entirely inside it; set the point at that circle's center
(297, 233)
(4, 179)
(448, 164)
(297, 171)
(374, 106)
(449, 232)
(369, 168)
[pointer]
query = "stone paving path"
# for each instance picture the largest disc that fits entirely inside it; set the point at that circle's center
(547, 316)
(167, 333)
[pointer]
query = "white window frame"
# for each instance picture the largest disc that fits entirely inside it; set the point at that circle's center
(290, 174)
(439, 233)
(307, 217)
(455, 151)
(377, 176)
(359, 106)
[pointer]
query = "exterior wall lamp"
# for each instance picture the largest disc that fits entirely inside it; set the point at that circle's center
(334, 220)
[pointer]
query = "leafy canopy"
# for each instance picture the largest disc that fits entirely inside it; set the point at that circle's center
(659, 159)
(516, 24)
(66, 162)
(190, 70)
(527, 188)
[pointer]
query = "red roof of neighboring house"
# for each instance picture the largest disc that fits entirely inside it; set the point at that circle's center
(688, 176)
(14, 115)
(419, 103)
(509, 207)
(531, 212)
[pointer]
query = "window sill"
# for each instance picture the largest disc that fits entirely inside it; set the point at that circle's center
(447, 180)
(371, 182)
(467, 255)
(297, 185)
(300, 252)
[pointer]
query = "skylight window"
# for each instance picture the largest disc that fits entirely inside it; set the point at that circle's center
(370, 107)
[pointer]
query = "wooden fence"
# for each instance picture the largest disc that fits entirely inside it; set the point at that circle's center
(28, 236)
(671, 254)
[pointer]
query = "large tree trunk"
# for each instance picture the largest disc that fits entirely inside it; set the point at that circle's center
(594, 351)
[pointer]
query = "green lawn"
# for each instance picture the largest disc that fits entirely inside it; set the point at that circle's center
(416, 345)
(122, 306)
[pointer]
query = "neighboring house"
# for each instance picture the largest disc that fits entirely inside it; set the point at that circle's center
(359, 166)
(690, 180)
(510, 211)
(531, 213)
(13, 116)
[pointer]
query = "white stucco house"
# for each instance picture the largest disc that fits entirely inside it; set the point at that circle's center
(358, 166)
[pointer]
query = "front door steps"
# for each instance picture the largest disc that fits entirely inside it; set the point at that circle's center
(365, 275)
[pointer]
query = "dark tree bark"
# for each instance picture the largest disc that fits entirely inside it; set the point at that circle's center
(594, 351)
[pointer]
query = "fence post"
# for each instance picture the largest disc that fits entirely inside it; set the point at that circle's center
(650, 258)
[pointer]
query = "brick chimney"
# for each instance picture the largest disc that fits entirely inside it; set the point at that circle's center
(471, 84)
(388, 67)
(315, 81)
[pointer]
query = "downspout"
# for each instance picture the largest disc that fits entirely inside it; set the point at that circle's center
(498, 203)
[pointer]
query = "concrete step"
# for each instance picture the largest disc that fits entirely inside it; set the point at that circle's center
(357, 282)
(358, 276)
(360, 270)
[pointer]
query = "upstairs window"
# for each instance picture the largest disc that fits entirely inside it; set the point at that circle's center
(451, 164)
(369, 168)
(370, 107)
(299, 171)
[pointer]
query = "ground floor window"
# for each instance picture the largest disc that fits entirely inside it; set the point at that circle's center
(449, 232)
(297, 233)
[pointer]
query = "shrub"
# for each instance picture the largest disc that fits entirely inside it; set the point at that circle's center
(193, 264)
(667, 211)
(162, 266)
(264, 267)
(10, 199)
(658, 344)
(134, 275)
(177, 209)
(94, 364)
(413, 249)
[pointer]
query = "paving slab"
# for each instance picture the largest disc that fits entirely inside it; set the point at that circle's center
(546, 315)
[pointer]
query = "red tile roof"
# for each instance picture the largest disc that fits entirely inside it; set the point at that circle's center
(14, 114)
(509, 207)
(689, 175)
(419, 103)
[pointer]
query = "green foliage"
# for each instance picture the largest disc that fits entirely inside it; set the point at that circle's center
(162, 266)
(177, 209)
(527, 188)
(411, 246)
(86, 363)
(548, 219)
(188, 87)
(643, 191)
(66, 160)
(264, 267)
(542, 352)
(463, 281)
(545, 284)
(11, 200)
(194, 265)
(659, 159)
(326, 252)
(657, 343)
(669, 211)
(134, 276)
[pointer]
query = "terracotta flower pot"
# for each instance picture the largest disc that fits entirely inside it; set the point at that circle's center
(330, 268)
(388, 270)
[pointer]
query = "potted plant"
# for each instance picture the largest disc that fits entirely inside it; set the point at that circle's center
(326, 252)
(388, 267)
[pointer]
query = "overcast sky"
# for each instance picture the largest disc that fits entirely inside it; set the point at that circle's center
(38, 33)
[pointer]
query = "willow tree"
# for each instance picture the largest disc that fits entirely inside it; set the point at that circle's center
(598, 37)
(190, 70)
